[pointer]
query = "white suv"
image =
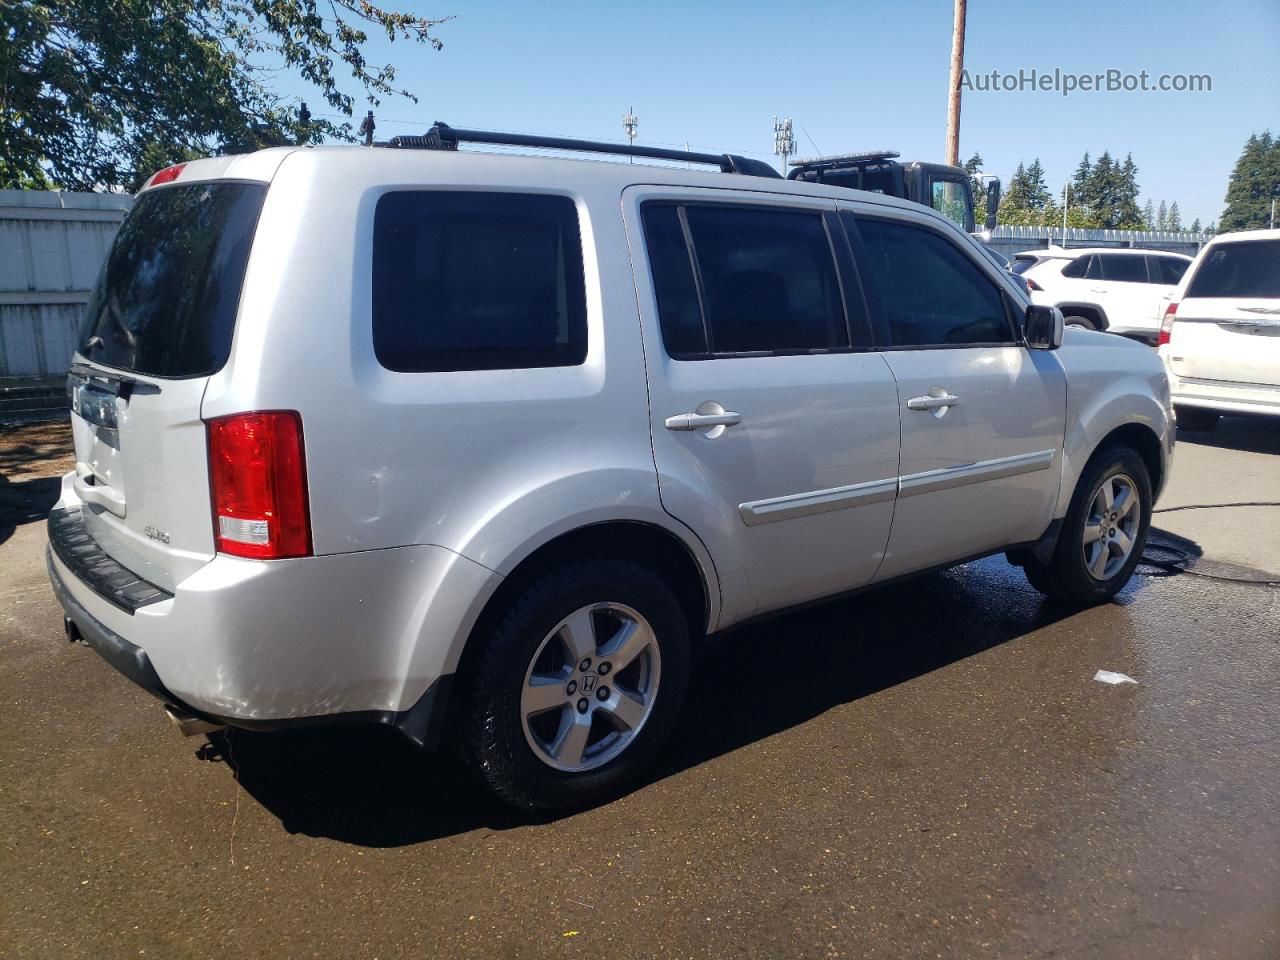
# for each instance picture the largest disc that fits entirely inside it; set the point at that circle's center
(1220, 339)
(1118, 290)
(481, 445)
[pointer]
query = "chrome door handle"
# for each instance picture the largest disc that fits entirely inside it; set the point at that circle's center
(696, 421)
(1097, 289)
(928, 402)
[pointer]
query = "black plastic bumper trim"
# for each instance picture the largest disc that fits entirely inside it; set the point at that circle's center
(423, 723)
(106, 577)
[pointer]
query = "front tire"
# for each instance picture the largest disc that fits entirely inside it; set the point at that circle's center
(1103, 533)
(578, 687)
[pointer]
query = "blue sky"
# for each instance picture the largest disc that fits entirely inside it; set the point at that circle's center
(856, 76)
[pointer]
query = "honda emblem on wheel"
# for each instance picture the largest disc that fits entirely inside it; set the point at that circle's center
(588, 683)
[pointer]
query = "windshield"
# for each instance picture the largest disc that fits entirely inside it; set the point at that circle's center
(1246, 269)
(166, 299)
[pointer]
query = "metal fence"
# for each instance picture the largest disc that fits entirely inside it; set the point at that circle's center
(52, 245)
(1011, 240)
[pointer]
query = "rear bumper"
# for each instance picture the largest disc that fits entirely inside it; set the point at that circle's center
(370, 636)
(423, 723)
(1225, 396)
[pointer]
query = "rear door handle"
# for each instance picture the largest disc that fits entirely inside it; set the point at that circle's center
(929, 402)
(1097, 289)
(696, 421)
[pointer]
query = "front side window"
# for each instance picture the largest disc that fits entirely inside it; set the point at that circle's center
(930, 293)
(734, 280)
(951, 199)
(1120, 268)
(477, 281)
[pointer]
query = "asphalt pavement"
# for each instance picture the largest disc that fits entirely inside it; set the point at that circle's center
(929, 770)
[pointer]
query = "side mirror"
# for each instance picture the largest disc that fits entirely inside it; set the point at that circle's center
(993, 201)
(1042, 327)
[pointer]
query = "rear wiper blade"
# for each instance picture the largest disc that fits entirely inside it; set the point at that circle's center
(124, 383)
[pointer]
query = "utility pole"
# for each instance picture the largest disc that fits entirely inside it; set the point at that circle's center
(1066, 202)
(953, 100)
(629, 123)
(784, 141)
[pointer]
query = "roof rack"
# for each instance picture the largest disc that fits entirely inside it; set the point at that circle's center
(845, 160)
(441, 136)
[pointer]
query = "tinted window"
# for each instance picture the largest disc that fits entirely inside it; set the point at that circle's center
(477, 281)
(1023, 264)
(1078, 268)
(1168, 270)
(1247, 269)
(768, 281)
(930, 293)
(1124, 269)
(166, 300)
(673, 282)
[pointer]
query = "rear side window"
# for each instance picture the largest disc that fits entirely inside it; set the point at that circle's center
(1022, 264)
(1122, 269)
(1247, 269)
(756, 280)
(1167, 270)
(477, 281)
(166, 300)
(930, 293)
(1078, 269)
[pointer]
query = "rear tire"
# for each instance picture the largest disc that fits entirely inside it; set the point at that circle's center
(1103, 533)
(1077, 321)
(544, 732)
(1196, 419)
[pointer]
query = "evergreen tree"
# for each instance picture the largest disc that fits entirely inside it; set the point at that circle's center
(1037, 191)
(1127, 214)
(1162, 218)
(1080, 184)
(1103, 190)
(973, 166)
(1254, 182)
(1149, 216)
(1195, 225)
(1175, 218)
(1013, 205)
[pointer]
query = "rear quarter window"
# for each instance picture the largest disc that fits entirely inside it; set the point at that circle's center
(1249, 268)
(166, 300)
(477, 281)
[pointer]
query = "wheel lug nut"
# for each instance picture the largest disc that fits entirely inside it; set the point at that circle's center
(602, 693)
(585, 665)
(583, 703)
(604, 668)
(572, 688)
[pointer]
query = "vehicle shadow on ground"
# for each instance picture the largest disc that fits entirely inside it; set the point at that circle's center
(368, 786)
(25, 501)
(1247, 434)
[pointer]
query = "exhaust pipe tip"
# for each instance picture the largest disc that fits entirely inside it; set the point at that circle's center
(189, 725)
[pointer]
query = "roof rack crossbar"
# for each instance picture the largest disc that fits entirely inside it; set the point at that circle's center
(441, 136)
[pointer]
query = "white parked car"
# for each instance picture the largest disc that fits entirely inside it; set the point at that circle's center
(481, 445)
(1118, 290)
(1220, 338)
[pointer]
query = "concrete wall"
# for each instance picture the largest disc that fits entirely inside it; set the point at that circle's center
(52, 245)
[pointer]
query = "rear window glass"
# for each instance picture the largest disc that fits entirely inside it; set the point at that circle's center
(477, 281)
(1247, 269)
(166, 300)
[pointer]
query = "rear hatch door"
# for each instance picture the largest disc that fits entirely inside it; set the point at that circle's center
(1227, 326)
(160, 323)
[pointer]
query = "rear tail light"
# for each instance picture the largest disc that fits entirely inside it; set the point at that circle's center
(1166, 325)
(258, 481)
(1032, 285)
(167, 175)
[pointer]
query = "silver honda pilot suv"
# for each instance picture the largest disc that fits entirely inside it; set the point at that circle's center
(481, 445)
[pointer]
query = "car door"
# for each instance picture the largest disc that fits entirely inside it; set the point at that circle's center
(774, 425)
(983, 417)
(1125, 292)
